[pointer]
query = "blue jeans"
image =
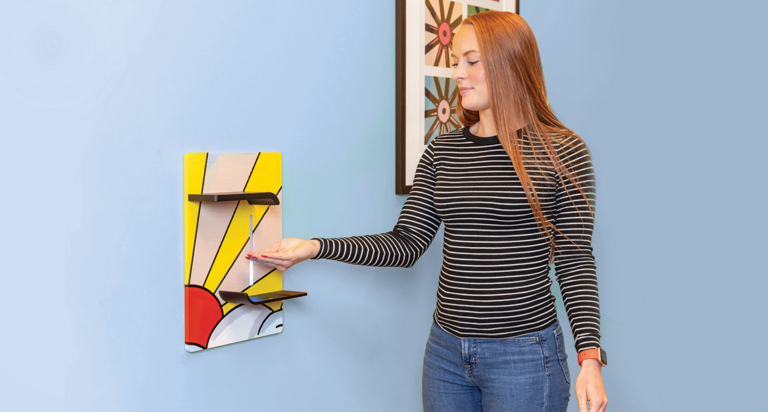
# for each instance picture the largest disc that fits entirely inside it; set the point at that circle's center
(525, 373)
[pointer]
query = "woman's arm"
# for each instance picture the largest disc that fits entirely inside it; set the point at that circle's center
(576, 271)
(402, 247)
(574, 262)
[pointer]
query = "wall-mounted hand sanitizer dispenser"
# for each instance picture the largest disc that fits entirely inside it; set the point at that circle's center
(232, 205)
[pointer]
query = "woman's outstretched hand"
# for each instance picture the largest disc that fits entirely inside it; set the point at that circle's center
(286, 253)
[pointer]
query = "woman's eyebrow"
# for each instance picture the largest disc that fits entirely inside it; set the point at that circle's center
(465, 53)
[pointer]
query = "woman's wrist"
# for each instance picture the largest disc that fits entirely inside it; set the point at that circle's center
(315, 247)
(591, 364)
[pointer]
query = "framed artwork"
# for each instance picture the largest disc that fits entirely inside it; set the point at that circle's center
(426, 96)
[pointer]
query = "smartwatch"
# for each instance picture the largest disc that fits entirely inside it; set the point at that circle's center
(596, 353)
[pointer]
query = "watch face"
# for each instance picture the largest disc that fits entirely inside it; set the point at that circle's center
(603, 357)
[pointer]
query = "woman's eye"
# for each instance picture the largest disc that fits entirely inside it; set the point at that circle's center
(470, 63)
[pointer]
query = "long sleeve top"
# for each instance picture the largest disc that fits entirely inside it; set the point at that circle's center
(494, 281)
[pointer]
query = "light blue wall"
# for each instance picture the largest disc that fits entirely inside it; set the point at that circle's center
(99, 100)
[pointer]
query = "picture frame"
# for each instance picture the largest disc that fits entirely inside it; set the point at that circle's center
(425, 95)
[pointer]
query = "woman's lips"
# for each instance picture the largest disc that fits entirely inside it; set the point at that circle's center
(464, 90)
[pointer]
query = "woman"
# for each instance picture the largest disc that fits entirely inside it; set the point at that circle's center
(515, 189)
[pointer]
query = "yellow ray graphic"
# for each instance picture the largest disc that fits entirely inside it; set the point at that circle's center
(237, 235)
(267, 175)
(270, 283)
(194, 174)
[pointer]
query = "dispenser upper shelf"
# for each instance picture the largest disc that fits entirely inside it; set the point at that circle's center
(245, 299)
(254, 198)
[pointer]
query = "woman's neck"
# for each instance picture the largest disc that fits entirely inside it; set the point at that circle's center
(486, 127)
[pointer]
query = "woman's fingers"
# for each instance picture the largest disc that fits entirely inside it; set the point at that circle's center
(283, 254)
(252, 255)
(262, 263)
(270, 260)
(581, 397)
(276, 262)
(597, 403)
(275, 256)
(589, 388)
(278, 266)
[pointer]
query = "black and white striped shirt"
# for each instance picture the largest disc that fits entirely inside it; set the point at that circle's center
(494, 281)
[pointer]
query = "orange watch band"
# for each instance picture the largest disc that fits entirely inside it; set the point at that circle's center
(590, 354)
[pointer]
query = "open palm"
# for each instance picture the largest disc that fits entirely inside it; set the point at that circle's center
(286, 253)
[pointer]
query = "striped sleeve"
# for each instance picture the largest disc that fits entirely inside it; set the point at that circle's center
(403, 246)
(574, 262)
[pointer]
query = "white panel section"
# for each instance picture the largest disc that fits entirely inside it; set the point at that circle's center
(273, 324)
(436, 71)
(414, 90)
(241, 323)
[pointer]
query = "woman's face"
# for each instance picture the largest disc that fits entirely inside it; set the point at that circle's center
(469, 74)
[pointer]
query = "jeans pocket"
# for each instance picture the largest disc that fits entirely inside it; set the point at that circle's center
(561, 355)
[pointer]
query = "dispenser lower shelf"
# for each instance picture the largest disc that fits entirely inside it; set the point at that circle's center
(245, 299)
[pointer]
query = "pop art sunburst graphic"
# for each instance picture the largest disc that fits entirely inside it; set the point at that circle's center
(216, 240)
(440, 100)
(439, 31)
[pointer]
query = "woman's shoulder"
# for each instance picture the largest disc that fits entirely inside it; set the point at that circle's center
(452, 139)
(567, 143)
(451, 136)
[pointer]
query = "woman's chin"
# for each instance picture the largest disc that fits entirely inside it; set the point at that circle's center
(474, 107)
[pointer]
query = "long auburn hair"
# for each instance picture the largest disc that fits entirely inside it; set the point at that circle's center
(516, 89)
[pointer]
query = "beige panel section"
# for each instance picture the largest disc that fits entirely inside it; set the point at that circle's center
(214, 219)
(268, 232)
(228, 173)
